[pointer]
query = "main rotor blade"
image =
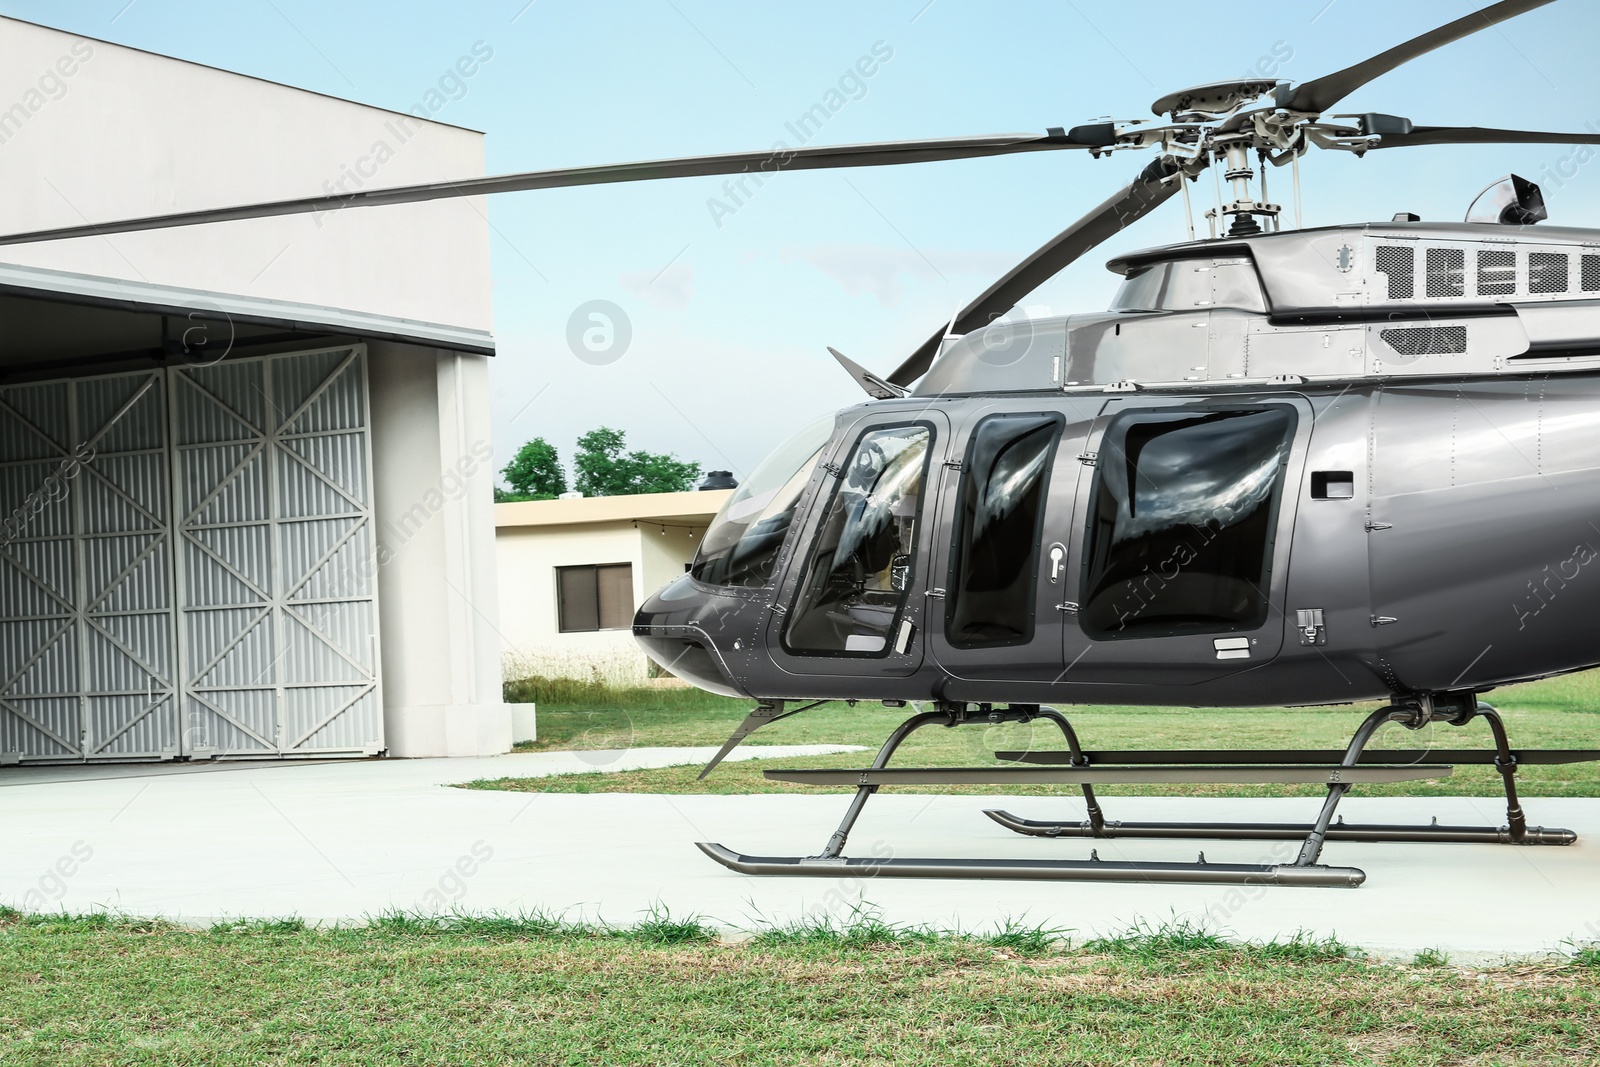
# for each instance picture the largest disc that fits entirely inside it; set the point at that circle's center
(1320, 94)
(1136, 200)
(1425, 135)
(760, 164)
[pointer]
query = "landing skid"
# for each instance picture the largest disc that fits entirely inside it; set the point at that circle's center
(1283, 831)
(1093, 869)
(1456, 709)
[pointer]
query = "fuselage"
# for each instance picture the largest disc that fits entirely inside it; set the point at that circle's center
(1229, 494)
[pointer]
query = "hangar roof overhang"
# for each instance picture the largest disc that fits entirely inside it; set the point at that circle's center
(124, 305)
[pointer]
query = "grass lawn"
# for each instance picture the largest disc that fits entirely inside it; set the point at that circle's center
(1556, 713)
(92, 992)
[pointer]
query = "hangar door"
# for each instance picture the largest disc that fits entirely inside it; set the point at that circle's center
(187, 563)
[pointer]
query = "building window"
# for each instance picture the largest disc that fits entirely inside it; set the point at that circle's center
(594, 598)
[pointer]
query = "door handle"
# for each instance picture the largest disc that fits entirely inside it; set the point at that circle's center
(1058, 556)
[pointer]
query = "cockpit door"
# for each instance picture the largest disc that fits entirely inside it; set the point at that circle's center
(1180, 550)
(850, 602)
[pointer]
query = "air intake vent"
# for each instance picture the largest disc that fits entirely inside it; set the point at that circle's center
(1497, 273)
(1399, 262)
(1427, 340)
(1591, 274)
(1447, 272)
(1547, 272)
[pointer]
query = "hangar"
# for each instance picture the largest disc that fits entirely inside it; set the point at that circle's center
(245, 485)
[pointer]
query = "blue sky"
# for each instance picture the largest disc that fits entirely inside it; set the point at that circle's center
(730, 313)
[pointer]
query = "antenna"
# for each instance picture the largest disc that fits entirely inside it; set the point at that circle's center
(949, 331)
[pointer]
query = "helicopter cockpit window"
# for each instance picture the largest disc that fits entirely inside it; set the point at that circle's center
(1182, 521)
(1192, 285)
(860, 568)
(1005, 479)
(741, 545)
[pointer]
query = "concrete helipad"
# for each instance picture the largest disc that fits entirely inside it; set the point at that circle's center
(339, 841)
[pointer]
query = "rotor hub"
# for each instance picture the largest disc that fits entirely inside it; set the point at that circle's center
(1214, 98)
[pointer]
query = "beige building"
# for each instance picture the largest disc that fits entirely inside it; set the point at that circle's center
(572, 573)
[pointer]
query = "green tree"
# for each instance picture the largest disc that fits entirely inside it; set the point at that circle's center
(534, 473)
(604, 469)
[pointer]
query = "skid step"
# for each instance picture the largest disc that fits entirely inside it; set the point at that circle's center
(1283, 831)
(1089, 870)
(1527, 757)
(1242, 775)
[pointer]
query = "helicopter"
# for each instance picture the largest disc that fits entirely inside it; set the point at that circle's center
(1287, 467)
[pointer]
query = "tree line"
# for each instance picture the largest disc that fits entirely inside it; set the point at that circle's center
(601, 467)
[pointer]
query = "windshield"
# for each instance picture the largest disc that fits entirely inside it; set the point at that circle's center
(742, 543)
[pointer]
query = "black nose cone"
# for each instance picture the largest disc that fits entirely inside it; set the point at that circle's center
(678, 628)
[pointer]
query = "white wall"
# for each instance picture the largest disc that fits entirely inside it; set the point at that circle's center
(437, 592)
(530, 629)
(665, 555)
(91, 131)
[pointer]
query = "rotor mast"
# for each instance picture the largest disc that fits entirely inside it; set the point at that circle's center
(1232, 152)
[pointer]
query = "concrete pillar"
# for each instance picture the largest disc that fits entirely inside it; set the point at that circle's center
(437, 595)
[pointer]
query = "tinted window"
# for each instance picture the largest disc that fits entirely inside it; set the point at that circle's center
(994, 556)
(860, 565)
(1182, 519)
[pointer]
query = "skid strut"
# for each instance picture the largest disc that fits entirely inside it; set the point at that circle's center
(1075, 766)
(1516, 830)
(831, 863)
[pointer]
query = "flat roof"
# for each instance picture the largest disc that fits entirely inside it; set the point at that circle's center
(695, 507)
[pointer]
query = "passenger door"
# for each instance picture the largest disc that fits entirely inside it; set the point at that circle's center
(1002, 568)
(1180, 547)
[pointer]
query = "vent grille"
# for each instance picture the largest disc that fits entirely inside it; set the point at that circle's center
(1399, 262)
(1427, 340)
(1447, 272)
(1591, 274)
(1497, 272)
(1547, 272)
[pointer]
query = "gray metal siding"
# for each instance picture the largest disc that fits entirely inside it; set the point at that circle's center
(87, 671)
(254, 632)
(274, 473)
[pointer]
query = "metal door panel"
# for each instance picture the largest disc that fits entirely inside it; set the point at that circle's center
(281, 644)
(86, 576)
